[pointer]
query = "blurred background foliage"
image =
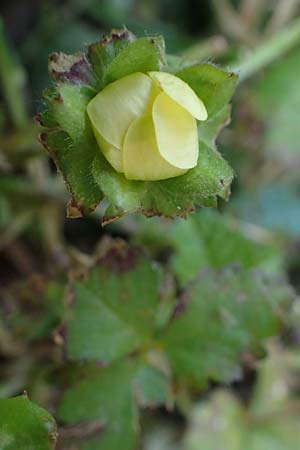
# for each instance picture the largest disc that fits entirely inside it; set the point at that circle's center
(259, 228)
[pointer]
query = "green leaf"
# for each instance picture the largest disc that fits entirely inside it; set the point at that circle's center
(210, 239)
(213, 85)
(223, 422)
(112, 312)
(152, 387)
(111, 396)
(218, 318)
(108, 396)
(25, 425)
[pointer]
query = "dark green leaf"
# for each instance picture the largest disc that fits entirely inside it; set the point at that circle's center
(24, 425)
(113, 312)
(210, 239)
(108, 396)
(221, 316)
(111, 396)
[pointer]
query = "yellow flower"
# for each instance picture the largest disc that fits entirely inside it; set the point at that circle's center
(146, 125)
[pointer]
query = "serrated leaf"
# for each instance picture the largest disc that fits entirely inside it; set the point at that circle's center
(210, 239)
(151, 386)
(108, 397)
(111, 396)
(113, 313)
(24, 425)
(221, 316)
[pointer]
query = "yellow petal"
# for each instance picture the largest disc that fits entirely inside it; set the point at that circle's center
(181, 93)
(176, 132)
(118, 104)
(111, 153)
(141, 158)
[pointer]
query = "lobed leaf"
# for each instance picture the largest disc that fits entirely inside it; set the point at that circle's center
(220, 317)
(113, 313)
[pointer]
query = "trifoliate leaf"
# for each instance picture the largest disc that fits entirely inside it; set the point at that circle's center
(70, 140)
(221, 316)
(223, 422)
(120, 315)
(24, 425)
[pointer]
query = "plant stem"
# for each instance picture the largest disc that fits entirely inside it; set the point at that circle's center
(269, 51)
(12, 78)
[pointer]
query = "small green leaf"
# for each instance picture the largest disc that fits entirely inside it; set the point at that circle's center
(212, 240)
(24, 425)
(108, 396)
(242, 309)
(111, 395)
(152, 387)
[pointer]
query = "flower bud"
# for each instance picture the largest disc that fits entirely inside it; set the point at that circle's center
(146, 125)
